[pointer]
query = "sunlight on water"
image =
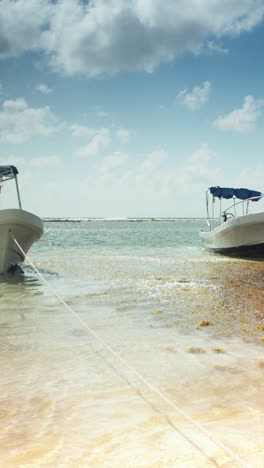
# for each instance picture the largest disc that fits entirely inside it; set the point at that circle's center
(192, 325)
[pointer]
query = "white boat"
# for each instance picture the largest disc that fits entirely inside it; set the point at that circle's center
(16, 225)
(235, 231)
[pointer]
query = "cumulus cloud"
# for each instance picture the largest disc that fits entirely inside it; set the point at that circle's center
(100, 36)
(215, 47)
(198, 166)
(148, 185)
(37, 162)
(242, 119)
(149, 168)
(152, 162)
(44, 89)
(23, 25)
(197, 97)
(19, 122)
(252, 177)
(43, 162)
(98, 143)
(78, 130)
(156, 185)
(112, 162)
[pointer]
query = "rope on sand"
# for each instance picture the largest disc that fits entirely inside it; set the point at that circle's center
(134, 371)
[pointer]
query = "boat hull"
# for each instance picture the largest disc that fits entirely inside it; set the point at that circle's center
(25, 227)
(241, 236)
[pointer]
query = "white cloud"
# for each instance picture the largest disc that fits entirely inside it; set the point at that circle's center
(37, 162)
(150, 177)
(100, 36)
(243, 119)
(112, 162)
(252, 178)
(198, 96)
(19, 122)
(123, 135)
(44, 89)
(23, 25)
(152, 162)
(47, 161)
(81, 130)
(98, 143)
(198, 166)
(215, 47)
(155, 185)
(118, 186)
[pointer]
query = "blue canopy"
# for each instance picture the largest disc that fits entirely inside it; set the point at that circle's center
(241, 193)
(7, 172)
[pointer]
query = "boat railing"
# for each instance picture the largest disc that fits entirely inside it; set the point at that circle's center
(244, 204)
(238, 208)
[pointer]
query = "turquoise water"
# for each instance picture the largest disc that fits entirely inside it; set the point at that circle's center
(179, 237)
(188, 321)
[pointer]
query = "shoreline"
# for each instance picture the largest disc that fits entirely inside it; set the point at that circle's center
(188, 326)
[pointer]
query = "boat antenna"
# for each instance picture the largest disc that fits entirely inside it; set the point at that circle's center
(207, 209)
(18, 194)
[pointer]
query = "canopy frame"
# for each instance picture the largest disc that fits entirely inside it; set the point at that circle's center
(7, 173)
(241, 194)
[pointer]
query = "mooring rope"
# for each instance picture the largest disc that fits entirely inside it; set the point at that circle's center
(134, 371)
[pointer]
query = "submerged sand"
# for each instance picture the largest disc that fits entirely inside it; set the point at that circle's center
(194, 330)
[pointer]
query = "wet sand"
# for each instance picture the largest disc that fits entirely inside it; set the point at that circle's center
(193, 329)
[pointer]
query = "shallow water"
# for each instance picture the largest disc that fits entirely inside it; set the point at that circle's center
(189, 322)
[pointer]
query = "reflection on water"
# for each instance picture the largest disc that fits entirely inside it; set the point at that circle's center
(192, 326)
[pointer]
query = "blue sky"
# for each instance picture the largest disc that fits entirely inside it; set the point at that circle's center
(116, 108)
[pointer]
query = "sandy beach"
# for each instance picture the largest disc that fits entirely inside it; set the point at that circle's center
(192, 328)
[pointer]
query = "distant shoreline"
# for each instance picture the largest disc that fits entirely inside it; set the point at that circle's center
(126, 220)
